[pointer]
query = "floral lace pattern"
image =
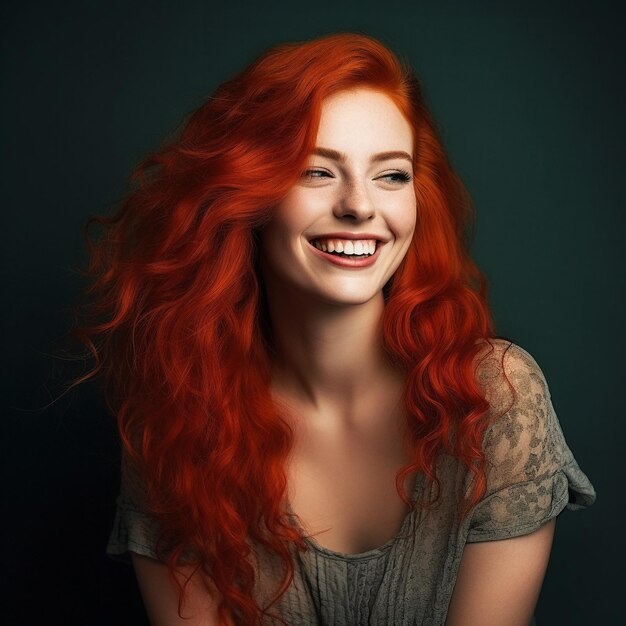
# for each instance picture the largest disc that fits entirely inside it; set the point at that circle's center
(529, 464)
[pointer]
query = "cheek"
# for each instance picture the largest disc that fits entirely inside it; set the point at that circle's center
(291, 215)
(280, 237)
(292, 220)
(403, 219)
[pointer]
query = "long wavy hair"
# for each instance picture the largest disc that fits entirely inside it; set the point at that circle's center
(175, 320)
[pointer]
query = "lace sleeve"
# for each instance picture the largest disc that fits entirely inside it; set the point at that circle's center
(531, 472)
(134, 529)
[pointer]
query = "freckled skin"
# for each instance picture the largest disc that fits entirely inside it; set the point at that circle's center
(358, 195)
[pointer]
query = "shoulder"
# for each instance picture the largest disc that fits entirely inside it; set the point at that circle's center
(521, 416)
(509, 374)
(523, 431)
(496, 351)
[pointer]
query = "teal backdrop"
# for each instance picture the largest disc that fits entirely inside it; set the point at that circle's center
(529, 98)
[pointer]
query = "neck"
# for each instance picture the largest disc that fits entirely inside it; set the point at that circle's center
(329, 358)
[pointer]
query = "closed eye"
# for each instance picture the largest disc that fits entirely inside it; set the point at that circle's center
(397, 178)
(312, 173)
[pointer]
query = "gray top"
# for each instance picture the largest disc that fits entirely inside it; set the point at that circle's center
(532, 477)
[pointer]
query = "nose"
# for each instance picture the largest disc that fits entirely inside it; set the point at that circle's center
(354, 202)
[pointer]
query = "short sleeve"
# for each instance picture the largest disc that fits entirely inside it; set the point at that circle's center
(531, 473)
(134, 529)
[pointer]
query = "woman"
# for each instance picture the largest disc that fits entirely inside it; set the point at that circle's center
(319, 424)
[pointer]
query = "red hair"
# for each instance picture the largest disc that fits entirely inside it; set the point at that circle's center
(176, 323)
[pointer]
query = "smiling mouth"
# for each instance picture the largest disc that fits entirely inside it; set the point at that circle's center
(347, 249)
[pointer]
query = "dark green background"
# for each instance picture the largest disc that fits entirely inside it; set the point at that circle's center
(530, 103)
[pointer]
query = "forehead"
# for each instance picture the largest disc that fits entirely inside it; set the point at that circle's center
(363, 118)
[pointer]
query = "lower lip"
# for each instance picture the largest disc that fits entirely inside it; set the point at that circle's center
(345, 261)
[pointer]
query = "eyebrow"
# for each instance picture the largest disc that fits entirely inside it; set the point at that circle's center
(381, 156)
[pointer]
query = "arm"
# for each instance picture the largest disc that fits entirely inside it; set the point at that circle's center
(160, 596)
(498, 582)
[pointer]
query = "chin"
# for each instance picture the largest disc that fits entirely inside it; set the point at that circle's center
(349, 299)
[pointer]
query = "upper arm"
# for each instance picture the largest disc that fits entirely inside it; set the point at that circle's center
(498, 582)
(160, 595)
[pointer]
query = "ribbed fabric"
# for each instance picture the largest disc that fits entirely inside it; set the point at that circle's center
(532, 477)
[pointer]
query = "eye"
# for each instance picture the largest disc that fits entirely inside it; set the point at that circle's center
(312, 174)
(397, 178)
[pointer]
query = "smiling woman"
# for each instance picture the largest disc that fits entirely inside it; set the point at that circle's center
(319, 423)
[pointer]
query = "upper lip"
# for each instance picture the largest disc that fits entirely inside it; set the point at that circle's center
(345, 235)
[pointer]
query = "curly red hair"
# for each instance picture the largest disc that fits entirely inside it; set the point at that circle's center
(175, 320)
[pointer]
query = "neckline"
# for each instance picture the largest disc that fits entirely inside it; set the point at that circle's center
(368, 554)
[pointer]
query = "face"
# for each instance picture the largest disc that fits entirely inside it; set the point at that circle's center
(343, 229)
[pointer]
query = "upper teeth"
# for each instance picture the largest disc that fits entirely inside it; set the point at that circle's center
(347, 246)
